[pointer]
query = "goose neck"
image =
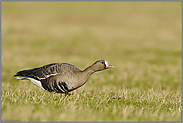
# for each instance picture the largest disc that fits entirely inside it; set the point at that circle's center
(89, 70)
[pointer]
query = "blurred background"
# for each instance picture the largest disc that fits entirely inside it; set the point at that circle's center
(141, 39)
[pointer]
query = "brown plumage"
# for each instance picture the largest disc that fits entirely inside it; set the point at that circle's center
(61, 77)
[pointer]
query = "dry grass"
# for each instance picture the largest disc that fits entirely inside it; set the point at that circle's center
(141, 39)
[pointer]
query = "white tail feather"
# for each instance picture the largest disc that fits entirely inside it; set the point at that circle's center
(20, 77)
(36, 82)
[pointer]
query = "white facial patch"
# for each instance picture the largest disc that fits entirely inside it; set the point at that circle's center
(106, 63)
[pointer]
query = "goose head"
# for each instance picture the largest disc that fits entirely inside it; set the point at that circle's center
(101, 65)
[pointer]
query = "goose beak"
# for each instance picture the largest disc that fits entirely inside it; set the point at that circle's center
(108, 65)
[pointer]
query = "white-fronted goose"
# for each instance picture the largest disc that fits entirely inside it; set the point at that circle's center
(61, 77)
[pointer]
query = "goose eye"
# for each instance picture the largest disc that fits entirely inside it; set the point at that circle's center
(102, 62)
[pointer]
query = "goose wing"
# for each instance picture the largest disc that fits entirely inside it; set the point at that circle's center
(49, 77)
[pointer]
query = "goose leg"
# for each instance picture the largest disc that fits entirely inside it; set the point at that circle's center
(53, 94)
(67, 93)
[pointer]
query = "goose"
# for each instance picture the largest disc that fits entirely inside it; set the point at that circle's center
(61, 77)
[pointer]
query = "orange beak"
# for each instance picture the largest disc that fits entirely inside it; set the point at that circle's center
(109, 66)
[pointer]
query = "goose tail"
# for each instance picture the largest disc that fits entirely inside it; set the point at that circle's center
(21, 74)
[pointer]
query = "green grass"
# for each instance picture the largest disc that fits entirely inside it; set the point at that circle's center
(141, 39)
(124, 105)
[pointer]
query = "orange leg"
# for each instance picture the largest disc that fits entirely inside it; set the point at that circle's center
(68, 94)
(54, 94)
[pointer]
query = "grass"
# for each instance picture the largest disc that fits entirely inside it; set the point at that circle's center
(124, 105)
(141, 39)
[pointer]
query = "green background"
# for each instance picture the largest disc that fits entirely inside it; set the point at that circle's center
(141, 39)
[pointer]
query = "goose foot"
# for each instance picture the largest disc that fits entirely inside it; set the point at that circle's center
(67, 93)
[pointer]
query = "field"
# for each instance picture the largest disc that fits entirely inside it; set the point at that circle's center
(141, 39)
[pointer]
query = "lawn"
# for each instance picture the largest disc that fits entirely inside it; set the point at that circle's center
(141, 39)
